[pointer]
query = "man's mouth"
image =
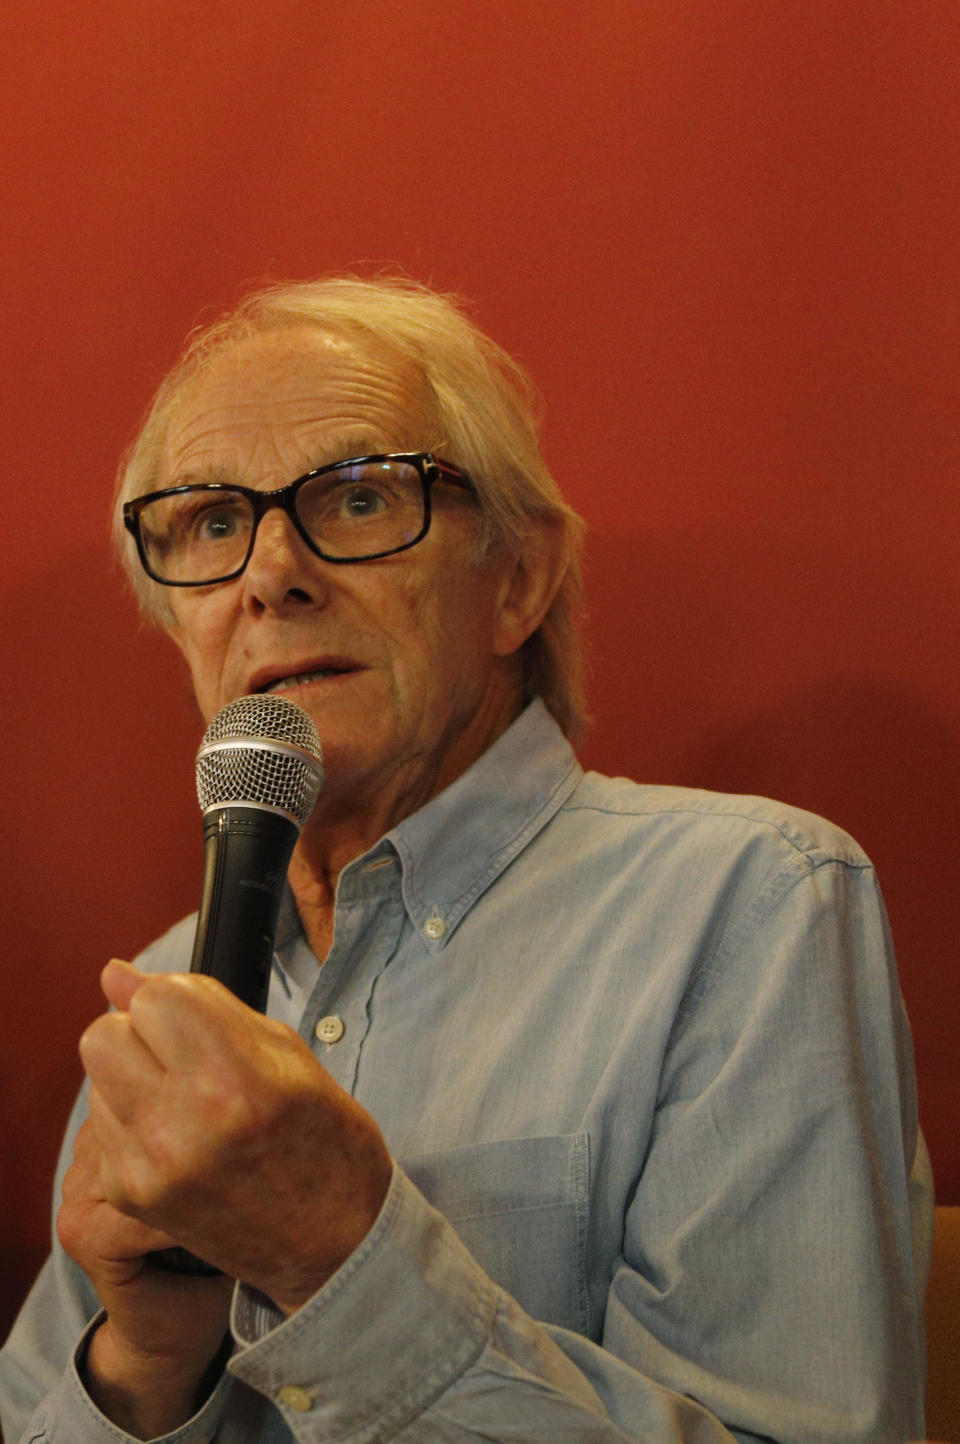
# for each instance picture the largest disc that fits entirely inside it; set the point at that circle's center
(300, 679)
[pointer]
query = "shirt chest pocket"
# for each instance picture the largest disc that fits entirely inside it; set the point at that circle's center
(520, 1207)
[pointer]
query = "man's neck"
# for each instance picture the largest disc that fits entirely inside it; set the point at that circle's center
(341, 830)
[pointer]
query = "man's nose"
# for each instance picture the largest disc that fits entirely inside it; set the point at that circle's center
(282, 570)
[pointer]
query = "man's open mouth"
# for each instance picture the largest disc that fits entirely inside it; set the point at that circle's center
(300, 679)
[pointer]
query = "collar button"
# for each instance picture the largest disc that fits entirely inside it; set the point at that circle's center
(296, 1398)
(435, 927)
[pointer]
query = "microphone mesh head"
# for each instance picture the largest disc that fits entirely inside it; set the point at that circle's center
(261, 749)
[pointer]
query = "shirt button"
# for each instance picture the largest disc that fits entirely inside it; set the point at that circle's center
(329, 1030)
(435, 927)
(296, 1398)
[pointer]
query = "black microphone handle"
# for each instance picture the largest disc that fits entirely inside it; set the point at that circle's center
(246, 852)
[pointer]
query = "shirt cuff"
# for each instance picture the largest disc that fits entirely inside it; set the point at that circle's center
(69, 1416)
(395, 1326)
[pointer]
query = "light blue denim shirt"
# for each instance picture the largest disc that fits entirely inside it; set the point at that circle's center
(640, 1055)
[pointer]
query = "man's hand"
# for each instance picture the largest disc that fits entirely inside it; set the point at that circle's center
(218, 1126)
(216, 1129)
(146, 1364)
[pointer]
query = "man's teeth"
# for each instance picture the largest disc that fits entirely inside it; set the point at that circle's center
(298, 679)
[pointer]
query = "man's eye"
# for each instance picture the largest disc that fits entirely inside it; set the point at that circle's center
(358, 502)
(198, 521)
(216, 525)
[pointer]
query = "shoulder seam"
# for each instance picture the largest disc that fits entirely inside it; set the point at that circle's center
(862, 861)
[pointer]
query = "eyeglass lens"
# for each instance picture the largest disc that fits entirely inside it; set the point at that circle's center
(350, 512)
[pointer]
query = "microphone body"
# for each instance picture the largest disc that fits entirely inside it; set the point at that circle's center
(246, 852)
(259, 771)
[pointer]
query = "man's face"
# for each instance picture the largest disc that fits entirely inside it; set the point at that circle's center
(405, 664)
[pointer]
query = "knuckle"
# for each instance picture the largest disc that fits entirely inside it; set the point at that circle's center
(230, 1114)
(76, 1180)
(89, 1039)
(132, 1190)
(69, 1231)
(159, 989)
(100, 1037)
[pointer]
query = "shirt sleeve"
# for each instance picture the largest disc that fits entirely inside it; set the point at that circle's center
(767, 1287)
(411, 1340)
(769, 1266)
(68, 1415)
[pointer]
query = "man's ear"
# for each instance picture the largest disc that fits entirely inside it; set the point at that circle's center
(533, 575)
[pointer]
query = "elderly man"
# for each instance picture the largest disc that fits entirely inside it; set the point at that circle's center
(582, 1110)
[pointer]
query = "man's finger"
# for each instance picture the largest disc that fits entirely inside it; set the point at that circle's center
(120, 1065)
(119, 981)
(164, 1015)
(186, 1017)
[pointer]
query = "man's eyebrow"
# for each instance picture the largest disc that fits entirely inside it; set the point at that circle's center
(349, 447)
(202, 476)
(344, 449)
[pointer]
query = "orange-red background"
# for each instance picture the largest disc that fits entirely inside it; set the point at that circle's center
(723, 235)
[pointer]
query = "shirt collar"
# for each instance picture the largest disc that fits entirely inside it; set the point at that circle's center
(459, 843)
(451, 850)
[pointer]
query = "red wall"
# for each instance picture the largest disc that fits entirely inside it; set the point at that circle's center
(724, 238)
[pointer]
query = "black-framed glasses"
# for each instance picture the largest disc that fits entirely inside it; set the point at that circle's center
(352, 511)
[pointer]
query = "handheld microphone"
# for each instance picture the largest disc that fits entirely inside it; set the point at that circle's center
(259, 772)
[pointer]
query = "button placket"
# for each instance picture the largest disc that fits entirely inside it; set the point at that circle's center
(370, 919)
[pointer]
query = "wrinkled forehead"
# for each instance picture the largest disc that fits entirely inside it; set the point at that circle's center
(307, 395)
